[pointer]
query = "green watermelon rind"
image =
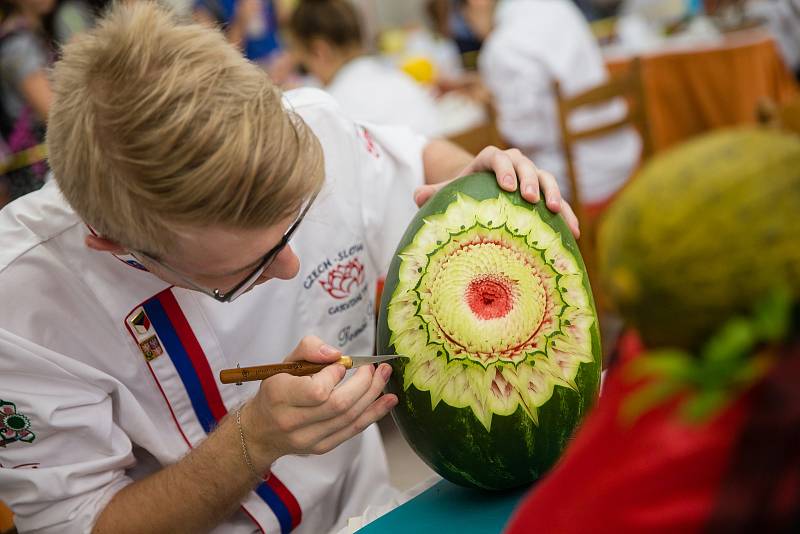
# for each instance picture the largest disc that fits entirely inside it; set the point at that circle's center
(452, 441)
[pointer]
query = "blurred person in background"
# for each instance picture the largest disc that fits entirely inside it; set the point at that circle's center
(449, 21)
(25, 95)
(527, 44)
(253, 26)
(782, 18)
(327, 39)
(73, 16)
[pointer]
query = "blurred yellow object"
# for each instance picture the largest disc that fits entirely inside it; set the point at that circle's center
(470, 60)
(420, 68)
(392, 42)
(604, 30)
(784, 116)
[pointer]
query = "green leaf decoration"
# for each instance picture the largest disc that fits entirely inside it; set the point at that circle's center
(703, 405)
(666, 363)
(646, 399)
(773, 315)
(726, 364)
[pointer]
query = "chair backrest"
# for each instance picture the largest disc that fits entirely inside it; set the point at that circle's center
(479, 137)
(784, 116)
(6, 520)
(627, 86)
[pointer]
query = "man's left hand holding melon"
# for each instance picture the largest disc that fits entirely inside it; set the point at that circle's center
(511, 167)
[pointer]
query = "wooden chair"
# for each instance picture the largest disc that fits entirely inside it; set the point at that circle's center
(628, 86)
(6, 520)
(785, 117)
(481, 136)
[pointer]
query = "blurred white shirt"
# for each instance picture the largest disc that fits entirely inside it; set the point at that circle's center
(783, 21)
(533, 43)
(371, 91)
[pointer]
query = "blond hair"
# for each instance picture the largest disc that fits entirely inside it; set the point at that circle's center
(157, 125)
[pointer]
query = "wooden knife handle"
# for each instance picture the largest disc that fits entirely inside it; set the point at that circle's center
(262, 372)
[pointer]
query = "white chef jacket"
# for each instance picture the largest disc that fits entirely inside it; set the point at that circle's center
(533, 43)
(371, 91)
(116, 372)
(782, 18)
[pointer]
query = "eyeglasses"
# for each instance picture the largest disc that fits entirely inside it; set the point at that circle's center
(242, 287)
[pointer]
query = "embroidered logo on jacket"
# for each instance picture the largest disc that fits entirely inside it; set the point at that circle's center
(320, 272)
(344, 279)
(369, 143)
(343, 276)
(139, 324)
(349, 333)
(14, 426)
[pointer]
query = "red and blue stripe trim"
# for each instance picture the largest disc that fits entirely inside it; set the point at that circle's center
(192, 365)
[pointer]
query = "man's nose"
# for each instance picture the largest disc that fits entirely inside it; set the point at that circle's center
(285, 267)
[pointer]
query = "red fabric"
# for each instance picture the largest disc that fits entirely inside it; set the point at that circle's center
(656, 474)
(629, 346)
(288, 499)
(195, 353)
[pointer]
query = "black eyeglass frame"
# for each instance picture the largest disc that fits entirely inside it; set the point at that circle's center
(242, 287)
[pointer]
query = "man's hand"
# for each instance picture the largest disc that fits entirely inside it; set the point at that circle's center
(288, 415)
(313, 414)
(512, 169)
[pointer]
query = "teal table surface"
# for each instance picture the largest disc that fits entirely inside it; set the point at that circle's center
(446, 508)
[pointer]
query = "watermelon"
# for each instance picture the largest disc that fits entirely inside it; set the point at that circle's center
(703, 232)
(487, 297)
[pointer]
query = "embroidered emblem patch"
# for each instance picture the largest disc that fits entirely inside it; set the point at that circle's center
(151, 348)
(141, 323)
(14, 426)
(343, 279)
(142, 329)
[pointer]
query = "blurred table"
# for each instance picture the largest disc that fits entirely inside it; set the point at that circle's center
(693, 88)
(457, 114)
(467, 122)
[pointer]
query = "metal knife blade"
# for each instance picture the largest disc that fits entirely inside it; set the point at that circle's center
(358, 361)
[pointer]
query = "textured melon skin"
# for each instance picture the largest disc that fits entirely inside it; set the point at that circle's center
(702, 232)
(452, 441)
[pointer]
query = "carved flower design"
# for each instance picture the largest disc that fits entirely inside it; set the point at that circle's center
(491, 309)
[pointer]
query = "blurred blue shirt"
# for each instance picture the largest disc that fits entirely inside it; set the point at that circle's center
(256, 48)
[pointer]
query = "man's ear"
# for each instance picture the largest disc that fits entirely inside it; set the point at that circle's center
(102, 244)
